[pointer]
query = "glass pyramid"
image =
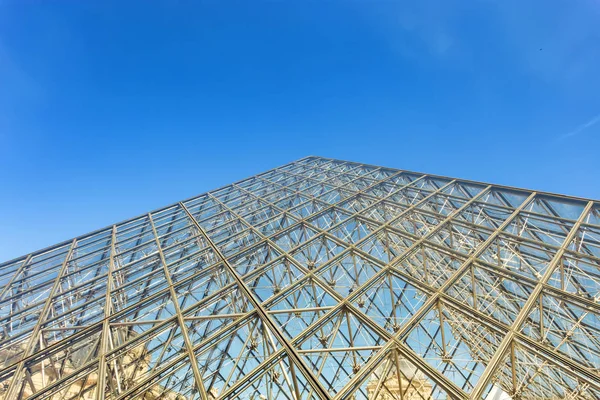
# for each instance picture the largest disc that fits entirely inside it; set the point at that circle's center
(321, 279)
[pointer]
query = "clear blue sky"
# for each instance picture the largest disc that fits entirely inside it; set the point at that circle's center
(109, 109)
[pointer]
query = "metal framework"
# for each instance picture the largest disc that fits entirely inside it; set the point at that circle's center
(321, 279)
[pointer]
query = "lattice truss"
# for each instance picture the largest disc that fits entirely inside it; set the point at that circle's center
(321, 279)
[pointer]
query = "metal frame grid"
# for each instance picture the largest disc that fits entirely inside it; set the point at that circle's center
(316, 280)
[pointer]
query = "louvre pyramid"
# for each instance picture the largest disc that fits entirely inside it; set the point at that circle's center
(321, 279)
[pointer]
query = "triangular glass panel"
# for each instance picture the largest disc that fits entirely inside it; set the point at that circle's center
(334, 196)
(175, 381)
(253, 258)
(189, 264)
(338, 347)
(523, 374)
(294, 236)
(567, 327)
(262, 215)
(529, 259)
(354, 230)
(431, 183)
(206, 318)
(146, 314)
(416, 223)
(348, 273)
(460, 237)
(390, 301)
(386, 245)
(556, 207)
(36, 278)
(300, 306)
(457, 345)
(231, 357)
(137, 282)
(329, 218)
(429, 265)
(317, 252)
(357, 203)
(483, 214)
(491, 292)
(539, 228)
(52, 384)
(382, 190)
(463, 190)
(134, 357)
(395, 377)
(277, 224)
(278, 378)
(238, 242)
(593, 217)
(384, 211)
(294, 203)
(71, 363)
(586, 241)
(203, 285)
(442, 205)
(504, 197)
(578, 275)
(273, 278)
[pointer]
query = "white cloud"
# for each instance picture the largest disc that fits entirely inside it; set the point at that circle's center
(582, 127)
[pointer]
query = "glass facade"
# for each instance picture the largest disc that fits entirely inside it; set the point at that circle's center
(320, 279)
